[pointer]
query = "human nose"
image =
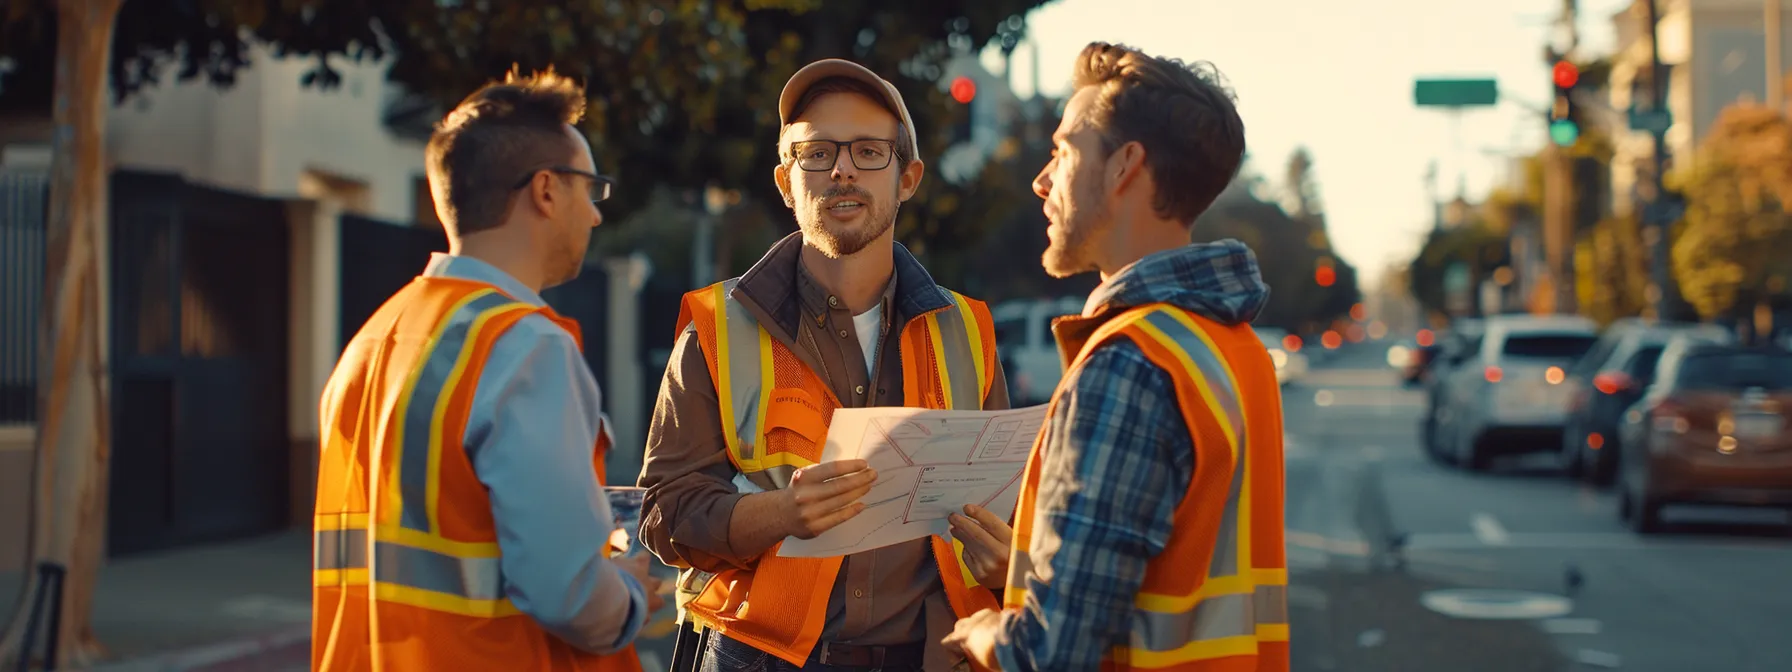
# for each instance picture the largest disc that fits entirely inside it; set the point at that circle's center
(843, 165)
(1042, 183)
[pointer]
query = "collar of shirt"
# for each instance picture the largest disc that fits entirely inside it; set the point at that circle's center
(774, 287)
(467, 268)
(817, 301)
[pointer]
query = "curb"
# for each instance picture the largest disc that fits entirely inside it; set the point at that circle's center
(198, 657)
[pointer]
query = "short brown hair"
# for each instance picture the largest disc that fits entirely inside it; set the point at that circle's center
(493, 139)
(905, 144)
(1180, 112)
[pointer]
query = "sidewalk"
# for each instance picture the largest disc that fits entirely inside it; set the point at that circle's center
(236, 606)
(188, 608)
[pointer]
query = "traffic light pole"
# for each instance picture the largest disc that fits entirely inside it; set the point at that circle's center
(1655, 215)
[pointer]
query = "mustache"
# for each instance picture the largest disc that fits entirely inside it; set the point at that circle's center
(852, 190)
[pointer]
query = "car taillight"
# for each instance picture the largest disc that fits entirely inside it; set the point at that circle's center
(1493, 374)
(1612, 382)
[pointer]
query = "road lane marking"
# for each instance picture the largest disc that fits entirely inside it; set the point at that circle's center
(1489, 530)
(1597, 658)
(1595, 541)
(1322, 398)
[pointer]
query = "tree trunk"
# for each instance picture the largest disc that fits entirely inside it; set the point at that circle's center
(68, 517)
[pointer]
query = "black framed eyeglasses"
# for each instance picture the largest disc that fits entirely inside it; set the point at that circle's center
(600, 184)
(818, 156)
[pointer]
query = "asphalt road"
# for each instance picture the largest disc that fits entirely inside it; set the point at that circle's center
(1387, 551)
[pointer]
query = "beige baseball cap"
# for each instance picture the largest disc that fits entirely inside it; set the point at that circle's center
(833, 67)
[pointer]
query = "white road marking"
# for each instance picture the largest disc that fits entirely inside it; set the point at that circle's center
(1322, 398)
(1571, 626)
(1489, 530)
(1597, 658)
(1594, 541)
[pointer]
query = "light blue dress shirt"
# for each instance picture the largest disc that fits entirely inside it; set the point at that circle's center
(531, 435)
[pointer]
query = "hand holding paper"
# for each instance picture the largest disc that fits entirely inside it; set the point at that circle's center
(928, 464)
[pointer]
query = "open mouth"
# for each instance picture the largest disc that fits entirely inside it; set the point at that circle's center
(846, 205)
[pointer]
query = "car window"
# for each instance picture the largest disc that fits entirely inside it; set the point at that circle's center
(1547, 346)
(1736, 370)
(1642, 365)
(1009, 332)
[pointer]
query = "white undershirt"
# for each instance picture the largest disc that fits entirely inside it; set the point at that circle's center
(868, 324)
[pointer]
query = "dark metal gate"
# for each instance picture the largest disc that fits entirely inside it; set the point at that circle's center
(200, 295)
(379, 258)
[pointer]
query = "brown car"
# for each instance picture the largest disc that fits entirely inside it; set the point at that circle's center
(1712, 429)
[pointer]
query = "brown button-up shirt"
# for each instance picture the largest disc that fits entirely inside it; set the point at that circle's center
(882, 597)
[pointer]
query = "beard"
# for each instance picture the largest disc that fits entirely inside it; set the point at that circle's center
(567, 260)
(1073, 251)
(844, 240)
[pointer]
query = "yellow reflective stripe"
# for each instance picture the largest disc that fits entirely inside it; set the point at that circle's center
(1222, 626)
(1242, 460)
(325, 578)
(964, 569)
(724, 370)
(433, 487)
(407, 574)
(391, 496)
(1194, 373)
(973, 332)
(341, 521)
(426, 599)
(939, 360)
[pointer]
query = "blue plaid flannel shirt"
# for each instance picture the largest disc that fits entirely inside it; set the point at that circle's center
(1118, 459)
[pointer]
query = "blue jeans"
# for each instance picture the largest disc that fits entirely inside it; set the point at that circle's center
(727, 655)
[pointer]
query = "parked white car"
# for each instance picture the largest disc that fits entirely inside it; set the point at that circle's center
(1028, 350)
(1507, 395)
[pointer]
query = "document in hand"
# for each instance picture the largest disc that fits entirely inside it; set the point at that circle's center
(929, 463)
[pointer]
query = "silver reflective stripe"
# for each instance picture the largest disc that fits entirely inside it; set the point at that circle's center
(960, 363)
(340, 549)
(1215, 617)
(395, 563)
(744, 369)
(426, 396)
(471, 578)
(1209, 368)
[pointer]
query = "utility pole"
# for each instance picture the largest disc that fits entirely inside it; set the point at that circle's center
(1776, 90)
(1657, 212)
(1558, 187)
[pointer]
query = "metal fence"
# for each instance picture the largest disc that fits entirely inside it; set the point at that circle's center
(24, 202)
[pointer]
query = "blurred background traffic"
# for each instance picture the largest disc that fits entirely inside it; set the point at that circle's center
(1528, 262)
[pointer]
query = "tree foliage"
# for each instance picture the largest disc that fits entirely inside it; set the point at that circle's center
(1734, 248)
(1475, 244)
(1290, 248)
(683, 93)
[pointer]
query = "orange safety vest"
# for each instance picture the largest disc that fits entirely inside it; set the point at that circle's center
(1233, 617)
(780, 411)
(406, 573)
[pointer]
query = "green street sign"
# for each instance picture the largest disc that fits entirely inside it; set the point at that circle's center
(1455, 92)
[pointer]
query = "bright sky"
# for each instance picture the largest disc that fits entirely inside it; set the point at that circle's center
(1337, 77)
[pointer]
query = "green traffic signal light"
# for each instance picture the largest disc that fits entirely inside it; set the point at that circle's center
(1564, 132)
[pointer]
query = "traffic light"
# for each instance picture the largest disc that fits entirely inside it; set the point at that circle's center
(1564, 129)
(963, 90)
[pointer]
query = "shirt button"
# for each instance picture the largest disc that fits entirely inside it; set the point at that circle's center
(859, 390)
(843, 333)
(833, 302)
(858, 593)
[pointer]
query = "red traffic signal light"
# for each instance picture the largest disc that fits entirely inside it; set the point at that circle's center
(964, 89)
(1565, 74)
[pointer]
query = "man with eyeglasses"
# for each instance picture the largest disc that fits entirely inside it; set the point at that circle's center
(836, 315)
(461, 522)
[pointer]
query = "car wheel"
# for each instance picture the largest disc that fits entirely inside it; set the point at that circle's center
(1471, 452)
(1570, 459)
(1639, 512)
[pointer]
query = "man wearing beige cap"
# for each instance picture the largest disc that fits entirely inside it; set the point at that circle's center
(836, 315)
